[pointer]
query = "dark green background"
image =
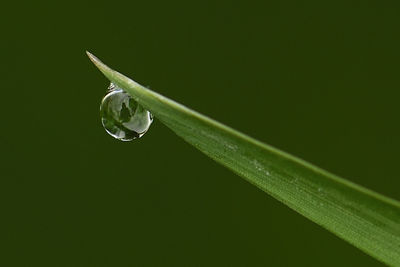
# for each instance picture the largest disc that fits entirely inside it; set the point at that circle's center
(318, 79)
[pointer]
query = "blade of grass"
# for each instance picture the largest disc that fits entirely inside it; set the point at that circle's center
(366, 219)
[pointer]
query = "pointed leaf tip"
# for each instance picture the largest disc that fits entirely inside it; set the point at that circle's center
(92, 57)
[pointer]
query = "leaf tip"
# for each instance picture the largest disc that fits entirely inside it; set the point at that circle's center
(93, 58)
(100, 65)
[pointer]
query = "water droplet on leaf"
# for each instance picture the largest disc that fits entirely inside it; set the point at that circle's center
(122, 117)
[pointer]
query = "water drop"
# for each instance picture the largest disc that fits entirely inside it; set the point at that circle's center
(122, 117)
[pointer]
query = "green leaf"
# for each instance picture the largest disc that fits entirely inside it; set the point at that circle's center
(360, 216)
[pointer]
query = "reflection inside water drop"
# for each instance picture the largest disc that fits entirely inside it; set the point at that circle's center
(122, 117)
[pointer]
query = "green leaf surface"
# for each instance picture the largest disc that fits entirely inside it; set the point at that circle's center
(360, 216)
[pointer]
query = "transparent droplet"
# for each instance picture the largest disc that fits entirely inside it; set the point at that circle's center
(122, 117)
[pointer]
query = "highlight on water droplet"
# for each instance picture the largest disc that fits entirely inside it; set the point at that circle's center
(122, 117)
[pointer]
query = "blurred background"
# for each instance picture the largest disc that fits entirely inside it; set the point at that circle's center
(318, 79)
